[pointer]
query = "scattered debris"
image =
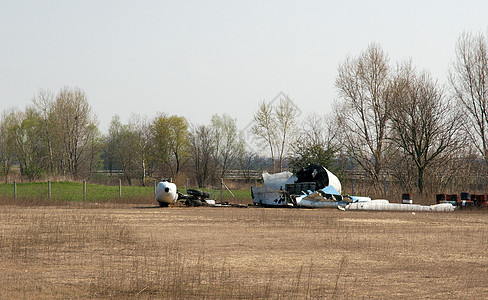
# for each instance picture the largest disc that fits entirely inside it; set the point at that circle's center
(464, 200)
(326, 197)
(315, 186)
(167, 193)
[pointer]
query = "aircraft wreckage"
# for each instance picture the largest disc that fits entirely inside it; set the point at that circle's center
(315, 186)
(312, 186)
(167, 194)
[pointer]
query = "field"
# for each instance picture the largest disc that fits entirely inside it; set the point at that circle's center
(119, 250)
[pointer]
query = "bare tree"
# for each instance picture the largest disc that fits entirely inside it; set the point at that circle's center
(247, 163)
(74, 124)
(214, 149)
(202, 153)
(319, 129)
(275, 127)
(43, 102)
(286, 114)
(140, 130)
(95, 150)
(364, 113)
(469, 80)
(264, 128)
(110, 145)
(424, 122)
(124, 142)
(229, 145)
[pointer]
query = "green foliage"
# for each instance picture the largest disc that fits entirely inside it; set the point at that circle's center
(169, 143)
(306, 154)
(34, 171)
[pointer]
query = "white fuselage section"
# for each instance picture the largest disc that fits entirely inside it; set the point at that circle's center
(166, 193)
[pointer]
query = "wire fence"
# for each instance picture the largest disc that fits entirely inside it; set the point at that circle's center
(76, 193)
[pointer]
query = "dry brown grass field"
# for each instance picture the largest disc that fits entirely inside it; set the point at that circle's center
(122, 251)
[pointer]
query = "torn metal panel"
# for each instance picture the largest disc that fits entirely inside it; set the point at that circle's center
(331, 190)
(311, 203)
(321, 204)
(360, 199)
(326, 197)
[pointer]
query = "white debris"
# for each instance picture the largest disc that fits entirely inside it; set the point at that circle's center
(384, 205)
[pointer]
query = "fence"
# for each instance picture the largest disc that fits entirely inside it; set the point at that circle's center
(75, 191)
(243, 174)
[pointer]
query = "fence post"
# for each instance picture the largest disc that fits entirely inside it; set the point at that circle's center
(120, 189)
(187, 185)
(84, 190)
(15, 189)
(49, 190)
(155, 188)
(221, 187)
(384, 186)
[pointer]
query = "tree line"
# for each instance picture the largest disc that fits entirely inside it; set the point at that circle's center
(389, 119)
(403, 122)
(57, 136)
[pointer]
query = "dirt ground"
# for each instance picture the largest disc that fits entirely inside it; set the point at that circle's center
(135, 251)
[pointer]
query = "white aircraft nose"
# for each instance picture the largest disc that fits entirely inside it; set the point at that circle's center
(166, 192)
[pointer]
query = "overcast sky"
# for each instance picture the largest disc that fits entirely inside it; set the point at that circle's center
(197, 58)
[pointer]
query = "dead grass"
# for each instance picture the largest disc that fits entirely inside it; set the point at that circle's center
(133, 251)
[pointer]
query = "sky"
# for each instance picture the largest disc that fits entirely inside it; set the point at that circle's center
(199, 58)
